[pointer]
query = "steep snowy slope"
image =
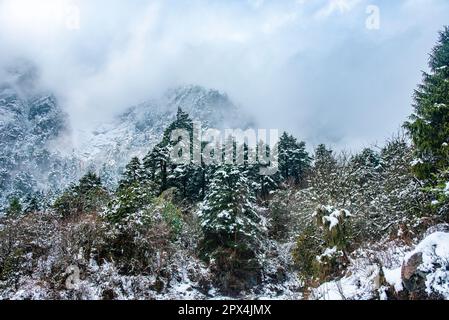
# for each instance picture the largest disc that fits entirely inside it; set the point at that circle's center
(31, 122)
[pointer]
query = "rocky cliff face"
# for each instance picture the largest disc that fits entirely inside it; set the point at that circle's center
(30, 123)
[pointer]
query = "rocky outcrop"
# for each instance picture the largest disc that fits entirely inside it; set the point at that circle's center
(412, 278)
(425, 271)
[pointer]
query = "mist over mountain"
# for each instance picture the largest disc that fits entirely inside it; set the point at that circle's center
(42, 151)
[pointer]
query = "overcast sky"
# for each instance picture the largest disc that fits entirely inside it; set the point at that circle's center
(308, 66)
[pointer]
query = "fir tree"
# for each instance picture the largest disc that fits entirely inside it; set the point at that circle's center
(367, 167)
(88, 196)
(231, 227)
(294, 160)
(33, 203)
(15, 208)
(325, 174)
(129, 201)
(135, 192)
(428, 126)
(228, 216)
(262, 178)
(133, 174)
(158, 163)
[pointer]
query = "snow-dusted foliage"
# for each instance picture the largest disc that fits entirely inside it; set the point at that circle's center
(394, 270)
(232, 228)
(377, 188)
(228, 212)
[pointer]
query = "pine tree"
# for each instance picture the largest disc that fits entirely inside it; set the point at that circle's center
(88, 183)
(129, 201)
(182, 121)
(231, 228)
(134, 193)
(133, 174)
(280, 215)
(228, 217)
(428, 126)
(33, 203)
(158, 164)
(400, 195)
(294, 160)
(15, 208)
(366, 170)
(325, 174)
(263, 177)
(88, 196)
(24, 184)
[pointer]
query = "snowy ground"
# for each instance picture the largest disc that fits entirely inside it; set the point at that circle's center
(363, 278)
(187, 278)
(372, 273)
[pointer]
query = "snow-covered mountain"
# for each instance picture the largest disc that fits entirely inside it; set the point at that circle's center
(31, 123)
(35, 134)
(138, 129)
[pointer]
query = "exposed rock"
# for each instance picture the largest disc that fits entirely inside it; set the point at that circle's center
(412, 278)
(425, 272)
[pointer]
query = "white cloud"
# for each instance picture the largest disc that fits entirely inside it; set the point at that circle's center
(337, 6)
(326, 79)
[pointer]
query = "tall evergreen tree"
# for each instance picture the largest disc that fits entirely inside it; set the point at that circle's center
(367, 167)
(228, 216)
(263, 180)
(33, 203)
(158, 163)
(325, 174)
(88, 196)
(294, 160)
(15, 208)
(134, 193)
(428, 126)
(231, 228)
(133, 174)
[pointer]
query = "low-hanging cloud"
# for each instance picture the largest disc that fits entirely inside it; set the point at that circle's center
(310, 67)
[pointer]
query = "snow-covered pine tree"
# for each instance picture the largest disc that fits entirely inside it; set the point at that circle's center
(228, 215)
(365, 174)
(88, 196)
(294, 161)
(133, 194)
(14, 209)
(23, 185)
(232, 229)
(133, 174)
(428, 125)
(156, 166)
(88, 183)
(161, 169)
(263, 182)
(400, 195)
(33, 203)
(324, 175)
